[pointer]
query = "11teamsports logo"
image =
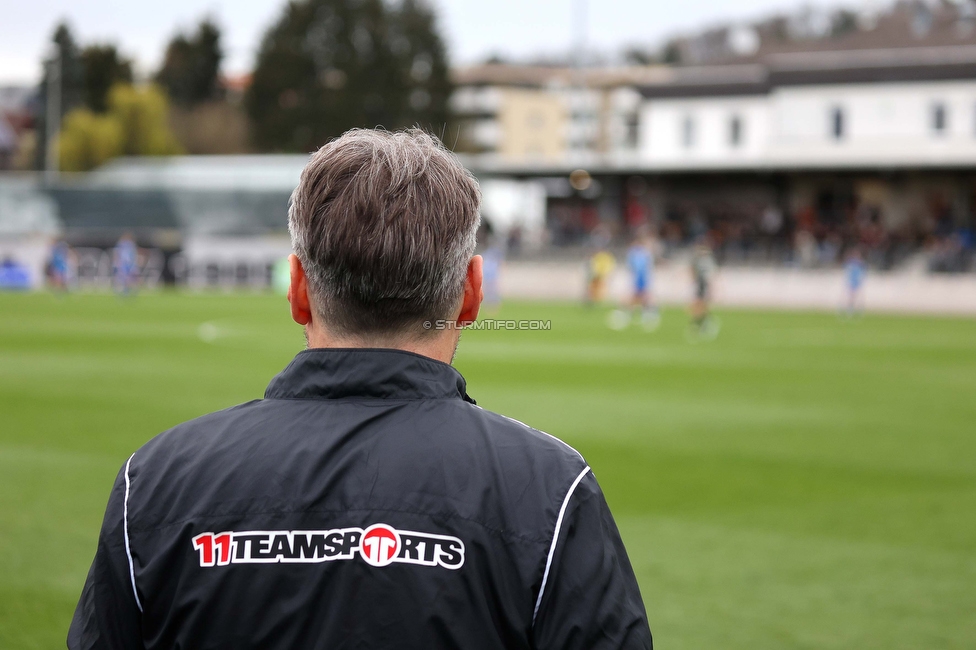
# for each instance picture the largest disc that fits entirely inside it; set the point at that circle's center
(378, 545)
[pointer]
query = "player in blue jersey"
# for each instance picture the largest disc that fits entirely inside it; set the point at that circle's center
(640, 261)
(125, 264)
(60, 269)
(854, 272)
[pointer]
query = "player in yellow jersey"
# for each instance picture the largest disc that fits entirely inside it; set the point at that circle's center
(598, 270)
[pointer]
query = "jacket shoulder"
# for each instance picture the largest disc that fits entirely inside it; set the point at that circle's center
(198, 431)
(528, 439)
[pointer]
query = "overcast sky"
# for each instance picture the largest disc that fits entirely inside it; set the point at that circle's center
(473, 28)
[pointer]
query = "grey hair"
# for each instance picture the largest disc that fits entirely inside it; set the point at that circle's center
(384, 224)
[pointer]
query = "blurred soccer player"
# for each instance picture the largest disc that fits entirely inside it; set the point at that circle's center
(61, 266)
(702, 272)
(599, 265)
(640, 261)
(598, 269)
(854, 272)
(125, 264)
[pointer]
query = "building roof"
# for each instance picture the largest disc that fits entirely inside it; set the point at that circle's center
(537, 76)
(237, 82)
(821, 67)
(907, 42)
(704, 81)
(905, 24)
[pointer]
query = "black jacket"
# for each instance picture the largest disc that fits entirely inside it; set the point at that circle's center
(366, 502)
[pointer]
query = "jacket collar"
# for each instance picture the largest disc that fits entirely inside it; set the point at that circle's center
(333, 373)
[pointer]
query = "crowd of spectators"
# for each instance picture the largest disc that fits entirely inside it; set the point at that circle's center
(814, 236)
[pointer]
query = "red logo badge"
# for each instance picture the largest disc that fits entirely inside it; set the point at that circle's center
(379, 545)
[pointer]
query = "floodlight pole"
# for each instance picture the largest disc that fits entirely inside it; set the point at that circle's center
(53, 107)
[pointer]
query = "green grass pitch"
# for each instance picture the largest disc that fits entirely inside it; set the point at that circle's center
(801, 482)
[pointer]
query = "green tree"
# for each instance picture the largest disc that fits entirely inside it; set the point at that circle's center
(103, 68)
(330, 65)
(87, 140)
(134, 124)
(142, 115)
(191, 66)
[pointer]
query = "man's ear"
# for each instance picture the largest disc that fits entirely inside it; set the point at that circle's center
(473, 292)
(301, 308)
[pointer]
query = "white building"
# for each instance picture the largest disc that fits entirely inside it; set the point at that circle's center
(875, 109)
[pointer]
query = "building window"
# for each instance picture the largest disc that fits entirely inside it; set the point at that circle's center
(735, 131)
(688, 132)
(837, 126)
(940, 118)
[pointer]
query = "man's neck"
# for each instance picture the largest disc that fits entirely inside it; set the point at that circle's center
(441, 346)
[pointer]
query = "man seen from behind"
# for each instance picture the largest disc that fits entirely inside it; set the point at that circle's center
(366, 501)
